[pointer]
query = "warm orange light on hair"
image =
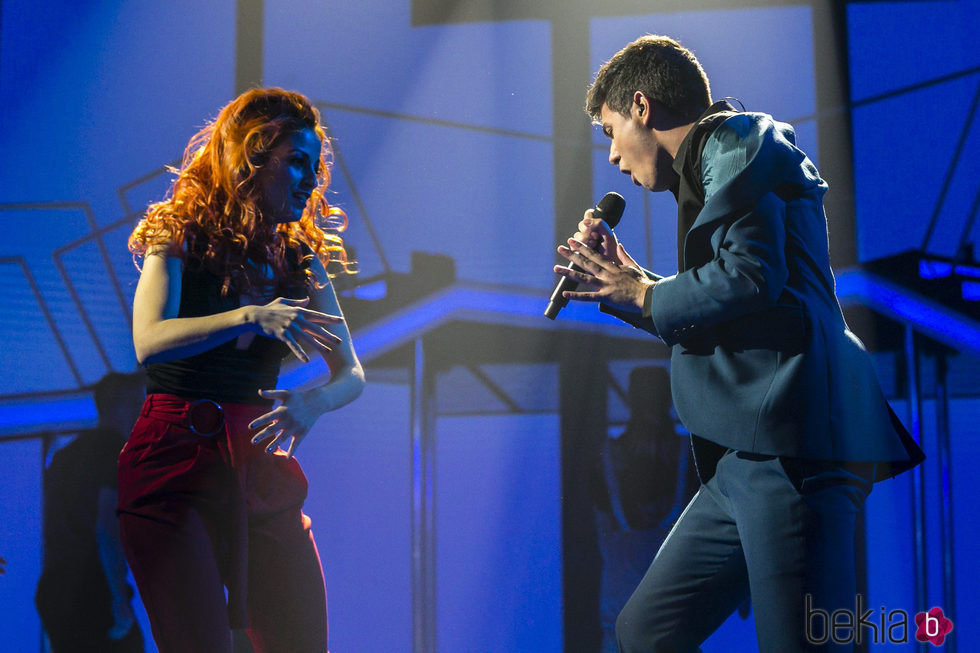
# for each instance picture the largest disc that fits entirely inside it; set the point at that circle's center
(210, 217)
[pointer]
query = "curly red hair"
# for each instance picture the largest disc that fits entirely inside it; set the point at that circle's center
(210, 217)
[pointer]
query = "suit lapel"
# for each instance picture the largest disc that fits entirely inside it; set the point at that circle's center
(770, 155)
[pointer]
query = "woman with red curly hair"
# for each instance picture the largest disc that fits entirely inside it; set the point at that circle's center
(234, 278)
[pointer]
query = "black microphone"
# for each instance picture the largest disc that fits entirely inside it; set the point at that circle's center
(610, 209)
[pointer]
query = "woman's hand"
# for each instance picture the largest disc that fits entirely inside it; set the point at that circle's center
(291, 322)
(297, 411)
(159, 334)
(287, 423)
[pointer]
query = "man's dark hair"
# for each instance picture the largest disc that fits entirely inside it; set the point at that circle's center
(658, 66)
(113, 384)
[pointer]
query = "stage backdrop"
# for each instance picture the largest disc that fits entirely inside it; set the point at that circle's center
(458, 133)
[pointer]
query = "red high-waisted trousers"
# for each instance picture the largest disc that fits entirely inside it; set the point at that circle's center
(202, 512)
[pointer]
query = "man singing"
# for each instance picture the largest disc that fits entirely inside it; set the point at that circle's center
(790, 425)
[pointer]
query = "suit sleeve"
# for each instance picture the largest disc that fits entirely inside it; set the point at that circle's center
(742, 228)
(640, 320)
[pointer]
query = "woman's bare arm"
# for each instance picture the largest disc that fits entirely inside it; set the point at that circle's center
(287, 424)
(159, 335)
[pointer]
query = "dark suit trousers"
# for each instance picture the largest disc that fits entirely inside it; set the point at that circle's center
(776, 529)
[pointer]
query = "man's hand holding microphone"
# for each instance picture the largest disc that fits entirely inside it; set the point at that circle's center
(600, 262)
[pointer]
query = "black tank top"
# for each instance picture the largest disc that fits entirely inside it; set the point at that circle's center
(225, 373)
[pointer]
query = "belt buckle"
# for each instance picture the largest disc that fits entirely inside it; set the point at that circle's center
(194, 414)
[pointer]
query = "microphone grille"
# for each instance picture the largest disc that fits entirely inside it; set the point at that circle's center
(610, 208)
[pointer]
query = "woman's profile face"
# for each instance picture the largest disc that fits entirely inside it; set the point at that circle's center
(285, 182)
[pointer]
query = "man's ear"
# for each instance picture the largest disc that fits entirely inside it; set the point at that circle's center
(641, 108)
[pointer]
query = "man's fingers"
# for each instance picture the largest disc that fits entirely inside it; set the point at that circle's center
(575, 275)
(576, 246)
(575, 259)
(581, 296)
(591, 239)
(592, 230)
(625, 257)
(590, 224)
(566, 252)
(584, 256)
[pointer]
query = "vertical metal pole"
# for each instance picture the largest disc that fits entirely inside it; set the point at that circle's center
(945, 492)
(832, 82)
(583, 377)
(570, 74)
(423, 504)
(46, 441)
(914, 392)
(249, 47)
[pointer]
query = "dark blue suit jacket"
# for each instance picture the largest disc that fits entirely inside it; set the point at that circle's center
(762, 360)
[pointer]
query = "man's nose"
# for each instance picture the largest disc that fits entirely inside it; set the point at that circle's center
(613, 155)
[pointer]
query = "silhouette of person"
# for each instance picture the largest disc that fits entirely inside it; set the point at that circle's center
(646, 478)
(82, 597)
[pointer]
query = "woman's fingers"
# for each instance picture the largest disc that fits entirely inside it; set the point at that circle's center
(313, 328)
(281, 394)
(274, 436)
(292, 302)
(270, 425)
(281, 427)
(269, 431)
(290, 341)
(321, 318)
(316, 339)
(276, 413)
(273, 415)
(279, 318)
